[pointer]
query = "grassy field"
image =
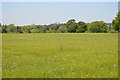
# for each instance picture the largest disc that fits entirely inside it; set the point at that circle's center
(0, 56)
(57, 55)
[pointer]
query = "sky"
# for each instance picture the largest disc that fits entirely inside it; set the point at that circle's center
(59, 0)
(26, 13)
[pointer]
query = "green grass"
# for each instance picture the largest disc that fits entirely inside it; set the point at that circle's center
(60, 55)
(0, 56)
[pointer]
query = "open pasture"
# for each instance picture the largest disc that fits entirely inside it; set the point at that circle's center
(60, 55)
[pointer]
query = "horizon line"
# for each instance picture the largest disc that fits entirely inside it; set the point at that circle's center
(47, 24)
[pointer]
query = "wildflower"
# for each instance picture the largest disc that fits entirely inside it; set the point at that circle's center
(13, 65)
(62, 68)
(87, 75)
(17, 56)
(114, 65)
(73, 73)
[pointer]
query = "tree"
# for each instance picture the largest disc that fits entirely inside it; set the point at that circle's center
(11, 28)
(62, 29)
(51, 31)
(82, 27)
(70, 21)
(116, 22)
(54, 26)
(4, 27)
(25, 29)
(44, 28)
(98, 27)
(19, 29)
(72, 28)
(0, 29)
(34, 30)
(33, 26)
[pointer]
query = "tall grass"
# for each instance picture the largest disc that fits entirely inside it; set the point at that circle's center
(60, 55)
(0, 56)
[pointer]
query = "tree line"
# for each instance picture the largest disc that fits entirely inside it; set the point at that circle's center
(71, 26)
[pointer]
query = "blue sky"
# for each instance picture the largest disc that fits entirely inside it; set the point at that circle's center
(25, 13)
(59, 0)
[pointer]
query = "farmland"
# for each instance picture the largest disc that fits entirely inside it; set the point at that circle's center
(60, 55)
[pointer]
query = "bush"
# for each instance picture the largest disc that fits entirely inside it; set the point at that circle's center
(113, 31)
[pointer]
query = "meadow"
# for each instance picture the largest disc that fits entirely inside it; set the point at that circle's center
(0, 56)
(60, 55)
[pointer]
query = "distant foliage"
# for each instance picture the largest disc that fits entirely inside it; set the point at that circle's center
(116, 22)
(82, 27)
(62, 29)
(4, 27)
(25, 29)
(71, 26)
(113, 31)
(11, 29)
(98, 27)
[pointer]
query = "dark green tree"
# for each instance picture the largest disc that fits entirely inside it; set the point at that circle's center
(44, 28)
(98, 27)
(72, 28)
(82, 27)
(54, 26)
(25, 29)
(116, 22)
(0, 28)
(19, 29)
(70, 21)
(4, 27)
(34, 28)
(62, 29)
